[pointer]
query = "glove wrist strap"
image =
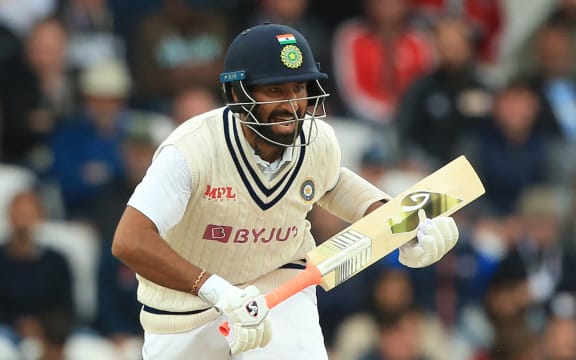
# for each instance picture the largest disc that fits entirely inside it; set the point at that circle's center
(213, 289)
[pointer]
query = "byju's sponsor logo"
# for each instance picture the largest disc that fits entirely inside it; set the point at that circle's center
(225, 234)
(219, 193)
(219, 233)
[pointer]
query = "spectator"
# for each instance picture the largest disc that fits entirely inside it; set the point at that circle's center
(507, 152)
(553, 80)
(519, 343)
(564, 12)
(447, 102)
(191, 101)
(396, 340)
(86, 147)
(178, 46)
(376, 57)
(13, 179)
(559, 13)
(46, 54)
(504, 311)
(91, 28)
(485, 18)
(36, 301)
(539, 257)
(390, 171)
(333, 12)
(390, 293)
(390, 307)
(19, 96)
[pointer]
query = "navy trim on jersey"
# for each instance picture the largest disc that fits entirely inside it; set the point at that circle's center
(293, 266)
(255, 177)
(152, 310)
(265, 190)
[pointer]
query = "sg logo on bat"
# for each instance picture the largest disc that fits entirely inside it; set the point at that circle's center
(433, 203)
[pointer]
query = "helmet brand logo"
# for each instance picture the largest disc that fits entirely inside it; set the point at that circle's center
(232, 76)
(291, 56)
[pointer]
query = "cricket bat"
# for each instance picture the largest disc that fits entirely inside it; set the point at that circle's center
(379, 233)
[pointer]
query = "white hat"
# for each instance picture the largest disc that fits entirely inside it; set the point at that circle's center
(107, 78)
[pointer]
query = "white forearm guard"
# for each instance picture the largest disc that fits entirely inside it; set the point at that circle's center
(351, 196)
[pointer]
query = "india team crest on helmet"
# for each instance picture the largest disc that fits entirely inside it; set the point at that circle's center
(308, 190)
(291, 56)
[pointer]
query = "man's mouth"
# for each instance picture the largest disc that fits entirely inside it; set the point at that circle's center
(283, 121)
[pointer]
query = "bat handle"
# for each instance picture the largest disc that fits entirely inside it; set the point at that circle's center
(308, 277)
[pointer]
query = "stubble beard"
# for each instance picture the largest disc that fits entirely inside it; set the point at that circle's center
(267, 131)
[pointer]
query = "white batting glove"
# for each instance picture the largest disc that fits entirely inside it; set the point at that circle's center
(434, 239)
(245, 310)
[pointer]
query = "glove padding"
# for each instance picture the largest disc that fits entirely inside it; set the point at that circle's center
(244, 310)
(435, 237)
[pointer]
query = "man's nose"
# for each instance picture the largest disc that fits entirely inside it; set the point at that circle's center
(292, 102)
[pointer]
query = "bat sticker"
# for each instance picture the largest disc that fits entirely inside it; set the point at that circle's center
(433, 203)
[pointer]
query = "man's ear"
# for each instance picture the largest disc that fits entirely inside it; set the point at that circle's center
(233, 95)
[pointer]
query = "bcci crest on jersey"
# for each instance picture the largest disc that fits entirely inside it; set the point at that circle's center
(308, 190)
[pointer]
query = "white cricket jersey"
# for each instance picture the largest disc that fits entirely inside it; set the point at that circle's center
(239, 222)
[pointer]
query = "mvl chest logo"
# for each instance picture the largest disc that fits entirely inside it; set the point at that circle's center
(219, 193)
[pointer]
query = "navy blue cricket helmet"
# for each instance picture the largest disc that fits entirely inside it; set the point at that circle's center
(270, 54)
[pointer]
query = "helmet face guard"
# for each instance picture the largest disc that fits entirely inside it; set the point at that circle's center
(272, 54)
(244, 111)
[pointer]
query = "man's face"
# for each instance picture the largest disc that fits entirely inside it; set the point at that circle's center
(284, 113)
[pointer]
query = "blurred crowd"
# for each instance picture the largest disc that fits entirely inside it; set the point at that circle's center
(89, 88)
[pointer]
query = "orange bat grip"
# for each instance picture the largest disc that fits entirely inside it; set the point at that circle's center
(308, 277)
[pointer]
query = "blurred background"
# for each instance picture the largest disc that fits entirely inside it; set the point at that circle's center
(89, 88)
